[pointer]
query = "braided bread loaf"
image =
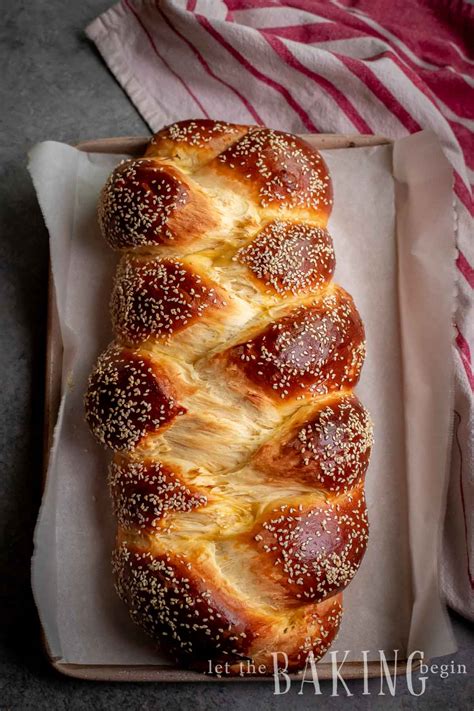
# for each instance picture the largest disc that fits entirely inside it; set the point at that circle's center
(240, 449)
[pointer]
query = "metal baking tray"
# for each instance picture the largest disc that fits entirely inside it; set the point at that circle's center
(54, 352)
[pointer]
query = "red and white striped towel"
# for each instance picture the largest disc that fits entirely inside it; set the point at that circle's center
(335, 66)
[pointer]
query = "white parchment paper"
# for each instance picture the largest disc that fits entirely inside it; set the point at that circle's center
(393, 231)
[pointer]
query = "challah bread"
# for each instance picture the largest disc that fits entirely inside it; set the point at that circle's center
(240, 448)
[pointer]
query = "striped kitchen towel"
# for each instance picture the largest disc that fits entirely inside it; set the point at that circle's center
(332, 66)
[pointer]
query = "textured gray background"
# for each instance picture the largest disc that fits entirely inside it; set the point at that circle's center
(55, 86)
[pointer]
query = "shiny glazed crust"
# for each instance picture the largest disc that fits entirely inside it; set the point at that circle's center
(240, 450)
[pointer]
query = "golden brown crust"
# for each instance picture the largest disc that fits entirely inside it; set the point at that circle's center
(193, 143)
(129, 397)
(174, 598)
(145, 491)
(313, 350)
(290, 257)
(314, 551)
(241, 450)
(280, 171)
(174, 604)
(327, 445)
(157, 297)
(145, 203)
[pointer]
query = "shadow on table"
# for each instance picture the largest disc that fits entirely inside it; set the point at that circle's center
(24, 247)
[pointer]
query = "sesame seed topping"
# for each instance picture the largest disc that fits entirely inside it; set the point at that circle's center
(145, 492)
(137, 202)
(128, 397)
(317, 348)
(291, 258)
(196, 133)
(287, 172)
(319, 550)
(156, 297)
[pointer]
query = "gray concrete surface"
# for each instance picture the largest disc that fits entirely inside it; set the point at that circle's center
(55, 86)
